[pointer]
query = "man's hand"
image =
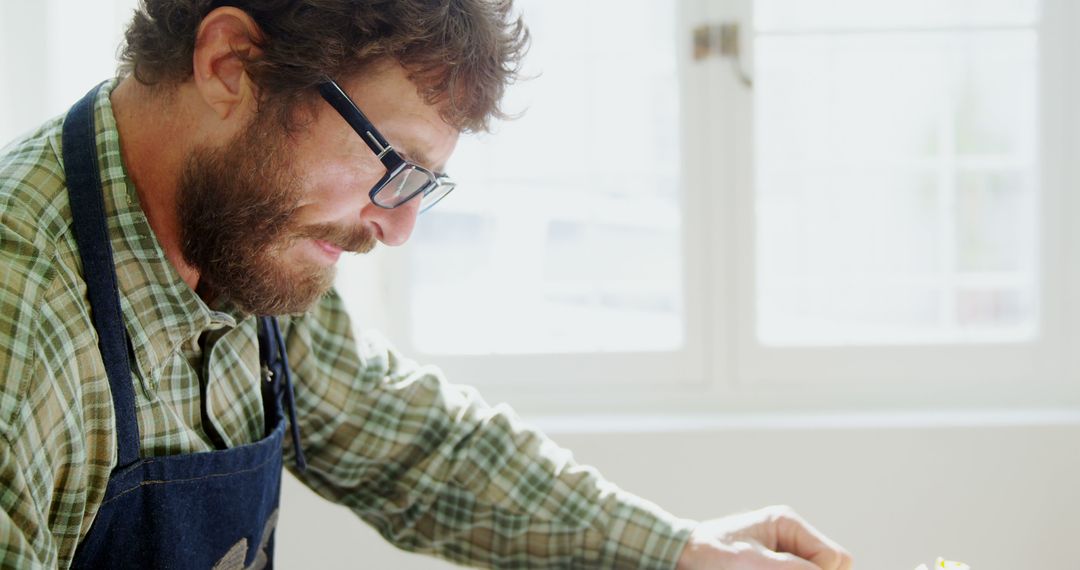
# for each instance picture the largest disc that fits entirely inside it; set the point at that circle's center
(773, 538)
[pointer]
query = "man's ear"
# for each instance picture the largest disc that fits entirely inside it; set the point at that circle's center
(225, 40)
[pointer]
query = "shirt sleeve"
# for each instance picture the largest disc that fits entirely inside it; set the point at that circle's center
(19, 520)
(434, 469)
(26, 539)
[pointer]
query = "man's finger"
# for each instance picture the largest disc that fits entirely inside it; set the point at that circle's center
(785, 561)
(798, 537)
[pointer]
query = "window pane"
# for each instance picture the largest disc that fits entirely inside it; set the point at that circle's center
(564, 232)
(896, 183)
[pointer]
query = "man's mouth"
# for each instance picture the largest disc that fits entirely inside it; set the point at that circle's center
(335, 240)
(332, 251)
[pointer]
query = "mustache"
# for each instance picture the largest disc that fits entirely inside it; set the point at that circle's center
(355, 239)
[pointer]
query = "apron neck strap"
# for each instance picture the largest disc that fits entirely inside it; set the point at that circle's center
(99, 272)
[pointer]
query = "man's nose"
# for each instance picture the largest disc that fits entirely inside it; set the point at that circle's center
(393, 226)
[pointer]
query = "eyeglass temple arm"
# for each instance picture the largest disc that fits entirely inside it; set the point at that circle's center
(352, 114)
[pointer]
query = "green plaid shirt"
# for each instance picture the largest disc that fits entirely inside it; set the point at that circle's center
(427, 463)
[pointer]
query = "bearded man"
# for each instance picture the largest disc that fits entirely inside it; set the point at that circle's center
(170, 340)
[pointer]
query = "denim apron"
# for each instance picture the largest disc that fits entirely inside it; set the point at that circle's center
(216, 509)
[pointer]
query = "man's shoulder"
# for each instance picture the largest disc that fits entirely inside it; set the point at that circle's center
(33, 189)
(34, 218)
(34, 222)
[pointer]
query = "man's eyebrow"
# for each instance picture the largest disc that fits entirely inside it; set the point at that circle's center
(421, 158)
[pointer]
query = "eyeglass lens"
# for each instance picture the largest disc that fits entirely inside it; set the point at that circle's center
(407, 183)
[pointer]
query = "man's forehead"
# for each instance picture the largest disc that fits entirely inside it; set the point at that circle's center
(415, 154)
(419, 141)
(415, 127)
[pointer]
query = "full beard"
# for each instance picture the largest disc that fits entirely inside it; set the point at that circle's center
(237, 210)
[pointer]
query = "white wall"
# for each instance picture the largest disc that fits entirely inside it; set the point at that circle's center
(51, 53)
(1000, 494)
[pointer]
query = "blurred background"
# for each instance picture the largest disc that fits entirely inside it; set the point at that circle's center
(738, 253)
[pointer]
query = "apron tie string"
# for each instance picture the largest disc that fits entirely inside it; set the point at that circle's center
(273, 353)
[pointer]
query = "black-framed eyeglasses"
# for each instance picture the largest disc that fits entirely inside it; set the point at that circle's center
(404, 180)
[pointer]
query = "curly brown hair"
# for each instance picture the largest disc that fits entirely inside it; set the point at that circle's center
(461, 54)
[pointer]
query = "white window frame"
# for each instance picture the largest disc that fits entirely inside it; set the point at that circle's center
(724, 368)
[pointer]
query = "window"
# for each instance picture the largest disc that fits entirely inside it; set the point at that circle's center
(565, 236)
(879, 217)
(907, 236)
(560, 258)
(896, 172)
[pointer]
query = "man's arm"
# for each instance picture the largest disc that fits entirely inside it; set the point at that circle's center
(26, 540)
(435, 469)
(21, 524)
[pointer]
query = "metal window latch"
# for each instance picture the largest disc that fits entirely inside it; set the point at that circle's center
(722, 40)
